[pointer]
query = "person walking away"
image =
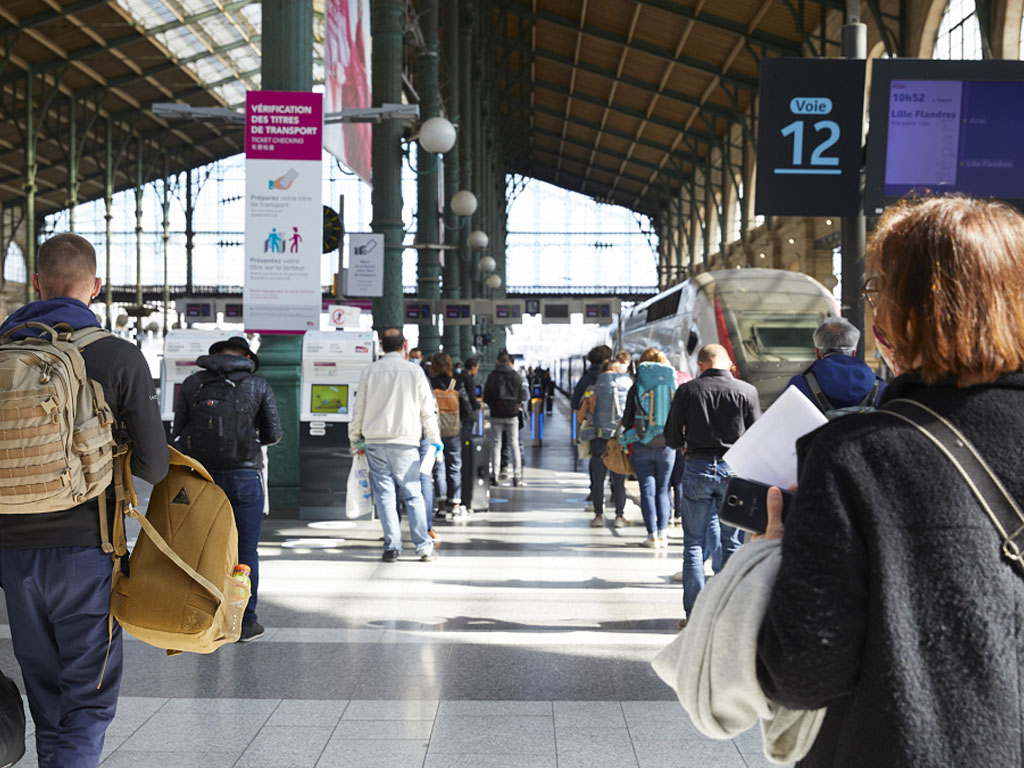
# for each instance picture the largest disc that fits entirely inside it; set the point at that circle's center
(646, 414)
(610, 392)
(393, 407)
(223, 416)
(56, 577)
(452, 405)
(503, 394)
(467, 377)
(708, 415)
(839, 383)
(584, 388)
(898, 606)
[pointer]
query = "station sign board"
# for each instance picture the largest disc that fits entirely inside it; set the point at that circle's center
(456, 312)
(418, 311)
(809, 137)
(600, 311)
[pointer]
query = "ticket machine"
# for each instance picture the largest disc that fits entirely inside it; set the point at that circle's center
(182, 348)
(332, 362)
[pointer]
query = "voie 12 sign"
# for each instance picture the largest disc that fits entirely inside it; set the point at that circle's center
(810, 123)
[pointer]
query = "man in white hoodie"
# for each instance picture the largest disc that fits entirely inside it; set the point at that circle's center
(393, 407)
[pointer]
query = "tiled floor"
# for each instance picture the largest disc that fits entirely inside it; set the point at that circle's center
(526, 644)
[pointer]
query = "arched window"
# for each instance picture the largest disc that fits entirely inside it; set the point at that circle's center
(959, 36)
(14, 265)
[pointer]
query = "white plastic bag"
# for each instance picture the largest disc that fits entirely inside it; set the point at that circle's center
(358, 498)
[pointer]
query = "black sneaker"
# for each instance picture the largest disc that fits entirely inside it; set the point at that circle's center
(520, 483)
(390, 555)
(251, 630)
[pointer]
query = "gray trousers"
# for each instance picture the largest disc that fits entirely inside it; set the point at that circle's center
(509, 427)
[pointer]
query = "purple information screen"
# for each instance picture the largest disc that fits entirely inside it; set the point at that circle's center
(955, 135)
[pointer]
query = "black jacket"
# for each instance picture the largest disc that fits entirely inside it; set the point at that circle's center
(587, 381)
(442, 382)
(491, 388)
(709, 414)
(257, 392)
(469, 384)
(893, 606)
(123, 372)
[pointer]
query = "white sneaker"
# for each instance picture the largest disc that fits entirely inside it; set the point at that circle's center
(590, 506)
(620, 522)
(651, 542)
(663, 539)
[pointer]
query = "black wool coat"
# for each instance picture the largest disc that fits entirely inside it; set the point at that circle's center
(893, 606)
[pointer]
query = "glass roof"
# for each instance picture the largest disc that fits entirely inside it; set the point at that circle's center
(218, 40)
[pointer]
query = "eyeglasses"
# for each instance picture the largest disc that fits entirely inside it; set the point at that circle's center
(870, 290)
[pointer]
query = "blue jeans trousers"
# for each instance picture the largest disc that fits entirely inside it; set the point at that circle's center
(653, 467)
(703, 491)
(450, 483)
(398, 466)
(244, 489)
(58, 600)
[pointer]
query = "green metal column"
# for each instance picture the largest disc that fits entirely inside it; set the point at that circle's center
(165, 208)
(428, 283)
(287, 65)
(30, 185)
(108, 217)
(73, 157)
(468, 118)
(451, 288)
(139, 191)
(387, 159)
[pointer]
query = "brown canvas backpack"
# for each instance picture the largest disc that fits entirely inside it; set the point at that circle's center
(449, 422)
(181, 595)
(57, 446)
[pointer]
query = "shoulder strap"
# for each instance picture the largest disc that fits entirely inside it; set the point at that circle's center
(83, 337)
(871, 397)
(997, 502)
(823, 402)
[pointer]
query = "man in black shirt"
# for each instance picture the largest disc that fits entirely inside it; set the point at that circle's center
(707, 415)
(56, 578)
(467, 377)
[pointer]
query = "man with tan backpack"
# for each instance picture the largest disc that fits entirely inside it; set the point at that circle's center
(69, 394)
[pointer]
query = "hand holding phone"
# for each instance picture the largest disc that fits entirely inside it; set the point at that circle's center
(746, 505)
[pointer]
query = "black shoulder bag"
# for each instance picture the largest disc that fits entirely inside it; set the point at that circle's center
(1002, 510)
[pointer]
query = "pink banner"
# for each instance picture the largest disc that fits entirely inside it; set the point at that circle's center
(283, 125)
(347, 80)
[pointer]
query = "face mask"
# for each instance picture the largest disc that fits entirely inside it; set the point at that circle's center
(885, 349)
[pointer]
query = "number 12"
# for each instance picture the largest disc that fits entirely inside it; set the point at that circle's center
(796, 130)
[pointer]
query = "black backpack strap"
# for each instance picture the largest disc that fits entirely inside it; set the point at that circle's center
(999, 505)
(819, 397)
(871, 398)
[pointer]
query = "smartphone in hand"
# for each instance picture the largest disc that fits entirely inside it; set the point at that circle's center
(746, 505)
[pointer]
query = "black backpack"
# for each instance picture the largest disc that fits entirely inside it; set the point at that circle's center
(508, 396)
(221, 430)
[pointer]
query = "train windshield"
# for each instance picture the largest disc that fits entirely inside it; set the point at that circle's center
(778, 335)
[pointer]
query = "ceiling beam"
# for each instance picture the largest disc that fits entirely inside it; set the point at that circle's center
(766, 40)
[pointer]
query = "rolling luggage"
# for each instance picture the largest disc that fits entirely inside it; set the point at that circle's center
(476, 488)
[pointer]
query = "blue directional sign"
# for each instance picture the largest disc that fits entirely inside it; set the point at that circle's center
(810, 123)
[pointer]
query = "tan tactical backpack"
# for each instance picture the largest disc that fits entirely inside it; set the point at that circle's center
(57, 446)
(181, 595)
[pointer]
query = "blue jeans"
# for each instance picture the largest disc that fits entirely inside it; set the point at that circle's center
(58, 600)
(391, 466)
(598, 472)
(703, 491)
(244, 489)
(653, 467)
(452, 469)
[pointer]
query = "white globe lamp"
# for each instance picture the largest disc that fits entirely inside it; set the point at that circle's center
(494, 281)
(463, 203)
(437, 135)
(478, 240)
(487, 264)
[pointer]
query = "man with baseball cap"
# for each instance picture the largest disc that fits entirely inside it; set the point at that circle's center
(223, 415)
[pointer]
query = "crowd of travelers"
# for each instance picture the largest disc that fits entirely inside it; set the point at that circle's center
(891, 619)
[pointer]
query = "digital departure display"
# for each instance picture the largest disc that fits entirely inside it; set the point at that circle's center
(946, 127)
(328, 398)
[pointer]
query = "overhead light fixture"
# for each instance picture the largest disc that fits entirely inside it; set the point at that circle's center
(792, 241)
(478, 240)
(437, 135)
(494, 281)
(487, 264)
(463, 203)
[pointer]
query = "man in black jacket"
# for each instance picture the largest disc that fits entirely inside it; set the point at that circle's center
(55, 577)
(708, 415)
(223, 415)
(467, 376)
(504, 395)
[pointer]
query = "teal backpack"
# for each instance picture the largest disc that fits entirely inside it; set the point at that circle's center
(655, 387)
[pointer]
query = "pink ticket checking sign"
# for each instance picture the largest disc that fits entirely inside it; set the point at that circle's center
(283, 125)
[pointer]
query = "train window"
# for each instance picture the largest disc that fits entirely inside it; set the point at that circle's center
(692, 341)
(779, 335)
(666, 306)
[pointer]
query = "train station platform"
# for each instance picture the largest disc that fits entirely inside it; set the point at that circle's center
(526, 644)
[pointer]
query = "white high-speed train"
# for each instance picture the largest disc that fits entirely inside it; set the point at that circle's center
(765, 318)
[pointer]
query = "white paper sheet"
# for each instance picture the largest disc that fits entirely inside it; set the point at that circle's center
(427, 464)
(767, 451)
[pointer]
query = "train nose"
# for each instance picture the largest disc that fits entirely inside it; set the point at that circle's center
(771, 378)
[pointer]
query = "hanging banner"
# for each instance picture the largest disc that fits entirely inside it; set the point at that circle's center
(347, 81)
(283, 211)
(365, 264)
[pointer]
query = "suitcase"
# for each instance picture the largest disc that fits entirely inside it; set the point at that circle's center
(476, 487)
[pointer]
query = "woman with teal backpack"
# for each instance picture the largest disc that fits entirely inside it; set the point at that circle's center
(643, 422)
